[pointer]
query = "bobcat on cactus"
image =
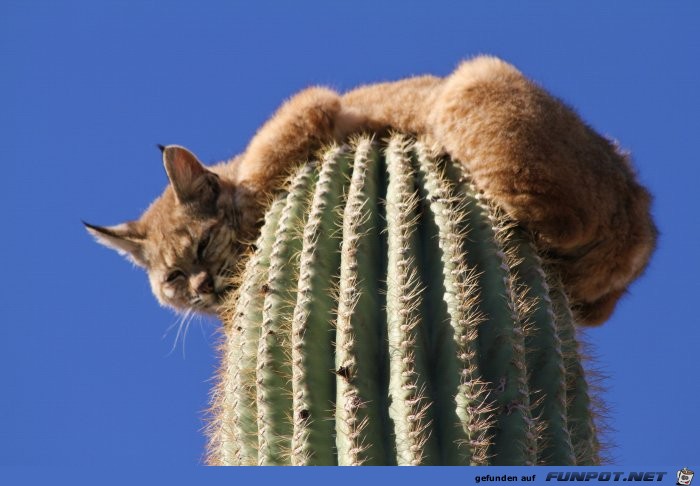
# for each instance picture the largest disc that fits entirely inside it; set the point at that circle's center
(525, 150)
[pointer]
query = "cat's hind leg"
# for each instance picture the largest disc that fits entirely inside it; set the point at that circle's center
(513, 138)
(535, 158)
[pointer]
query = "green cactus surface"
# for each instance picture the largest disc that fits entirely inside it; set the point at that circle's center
(389, 315)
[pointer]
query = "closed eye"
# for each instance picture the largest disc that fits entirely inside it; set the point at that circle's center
(174, 275)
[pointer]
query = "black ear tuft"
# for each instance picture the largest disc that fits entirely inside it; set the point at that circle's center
(160, 147)
(125, 238)
(94, 229)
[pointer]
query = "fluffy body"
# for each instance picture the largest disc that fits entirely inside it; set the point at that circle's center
(524, 149)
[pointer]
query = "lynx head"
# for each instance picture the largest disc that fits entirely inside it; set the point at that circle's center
(188, 239)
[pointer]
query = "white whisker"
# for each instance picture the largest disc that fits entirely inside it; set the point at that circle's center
(180, 323)
(184, 334)
(170, 327)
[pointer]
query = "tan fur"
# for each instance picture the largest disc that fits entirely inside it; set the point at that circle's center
(525, 150)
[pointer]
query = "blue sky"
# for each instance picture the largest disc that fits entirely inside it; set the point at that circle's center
(88, 88)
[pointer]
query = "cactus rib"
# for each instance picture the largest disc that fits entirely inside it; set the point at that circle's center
(408, 384)
(312, 342)
(246, 338)
(545, 364)
(361, 424)
(500, 336)
(274, 367)
(581, 424)
(461, 396)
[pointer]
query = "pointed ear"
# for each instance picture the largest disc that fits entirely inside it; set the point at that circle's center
(125, 238)
(193, 183)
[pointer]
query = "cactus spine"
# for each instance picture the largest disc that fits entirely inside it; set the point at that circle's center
(389, 316)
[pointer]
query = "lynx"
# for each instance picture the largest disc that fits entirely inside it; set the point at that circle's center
(525, 150)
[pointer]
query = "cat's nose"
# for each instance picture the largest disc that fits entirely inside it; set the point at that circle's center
(202, 283)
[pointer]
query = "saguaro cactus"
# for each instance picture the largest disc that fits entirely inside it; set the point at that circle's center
(389, 316)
